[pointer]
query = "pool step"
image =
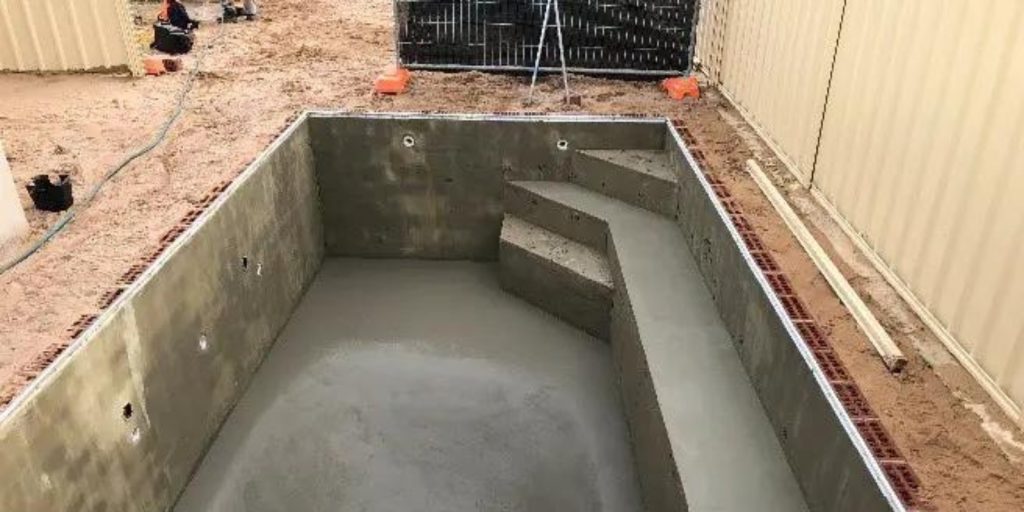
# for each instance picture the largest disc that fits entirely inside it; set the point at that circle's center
(642, 178)
(689, 403)
(523, 201)
(561, 276)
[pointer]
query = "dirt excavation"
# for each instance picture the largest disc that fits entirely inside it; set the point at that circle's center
(319, 54)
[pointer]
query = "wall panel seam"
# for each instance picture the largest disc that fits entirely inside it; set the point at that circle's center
(828, 92)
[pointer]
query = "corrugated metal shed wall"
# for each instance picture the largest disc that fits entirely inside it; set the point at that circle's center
(66, 35)
(922, 153)
(921, 142)
(774, 65)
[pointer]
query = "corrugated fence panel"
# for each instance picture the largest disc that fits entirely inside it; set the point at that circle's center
(775, 68)
(921, 157)
(710, 44)
(618, 36)
(66, 35)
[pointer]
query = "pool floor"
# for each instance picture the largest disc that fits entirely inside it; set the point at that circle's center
(404, 385)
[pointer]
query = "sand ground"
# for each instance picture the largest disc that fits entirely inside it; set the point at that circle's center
(324, 54)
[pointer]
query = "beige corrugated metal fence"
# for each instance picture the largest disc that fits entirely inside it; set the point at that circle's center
(67, 35)
(711, 36)
(774, 65)
(921, 155)
(920, 148)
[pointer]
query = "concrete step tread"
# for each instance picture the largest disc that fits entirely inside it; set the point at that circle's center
(708, 403)
(653, 163)
(573, 256)
(577, 197)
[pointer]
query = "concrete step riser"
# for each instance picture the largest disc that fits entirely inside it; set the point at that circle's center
(555, 289)
(556, 217)
(625, 184)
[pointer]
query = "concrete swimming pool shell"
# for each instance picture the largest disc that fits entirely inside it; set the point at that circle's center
(476, 312)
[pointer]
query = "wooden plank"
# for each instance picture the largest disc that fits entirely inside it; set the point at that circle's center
(887, 349)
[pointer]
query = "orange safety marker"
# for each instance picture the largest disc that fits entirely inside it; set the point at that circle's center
(393, 81)
(154, 65)
(401, 72)
(680, 87)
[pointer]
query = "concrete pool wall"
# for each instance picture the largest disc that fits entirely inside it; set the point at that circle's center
(124, 416)
(119, 421)
(432, 188)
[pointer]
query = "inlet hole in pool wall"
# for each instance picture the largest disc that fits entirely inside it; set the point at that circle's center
(245, 263)
(408, 141)
(562, 145)
(126, 411)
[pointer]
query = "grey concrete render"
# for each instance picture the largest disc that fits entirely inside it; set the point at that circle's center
(723, 446)
(687, 300)
(589, 264)
(652, 162)
(66, 444)
(642, 178)
(561, 276)
(431, 187)
(833, 465)
(414, 385)
(74, 453)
